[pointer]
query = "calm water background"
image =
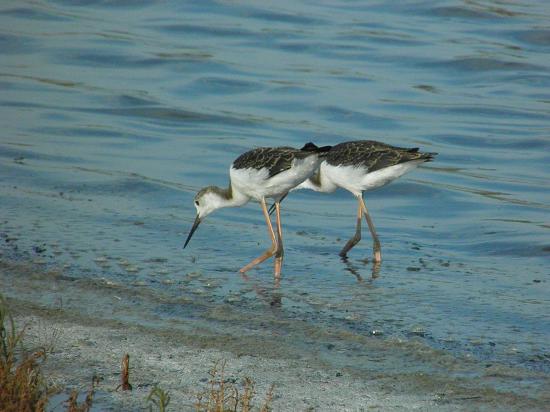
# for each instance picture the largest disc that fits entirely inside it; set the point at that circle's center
(114, 114)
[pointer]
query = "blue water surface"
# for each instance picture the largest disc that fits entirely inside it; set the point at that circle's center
(114, 113)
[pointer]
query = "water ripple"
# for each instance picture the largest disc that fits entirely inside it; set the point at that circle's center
(484, 64)
(16, 44)
(115, 113)
(534, 37)
(33, 14)
(221, 85)
(365, 120)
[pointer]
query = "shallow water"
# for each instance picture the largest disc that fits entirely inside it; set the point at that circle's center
(115, 113)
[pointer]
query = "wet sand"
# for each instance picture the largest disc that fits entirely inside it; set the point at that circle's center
(82, 351)
(85, 346)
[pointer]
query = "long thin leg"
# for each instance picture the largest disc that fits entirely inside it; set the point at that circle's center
(376, 243)
(269, 252)
(279, 252)
(272, 207)
(357, 237)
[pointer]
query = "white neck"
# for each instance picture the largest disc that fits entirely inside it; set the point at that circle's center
(236, 199)
(319, 182)
(216, 198)
(308, 184)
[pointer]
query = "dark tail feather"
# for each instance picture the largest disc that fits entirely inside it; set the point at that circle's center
(428, 157)
(311, 147)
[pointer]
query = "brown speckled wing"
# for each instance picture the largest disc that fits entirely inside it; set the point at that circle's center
(275, 159)
(372, 155)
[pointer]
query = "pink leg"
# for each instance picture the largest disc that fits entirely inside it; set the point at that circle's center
(279, 252)
(271, 251)
(376, 243)
(357, 237)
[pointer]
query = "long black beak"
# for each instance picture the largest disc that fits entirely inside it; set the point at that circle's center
(195, 226)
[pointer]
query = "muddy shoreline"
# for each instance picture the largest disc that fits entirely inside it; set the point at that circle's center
(86, 345)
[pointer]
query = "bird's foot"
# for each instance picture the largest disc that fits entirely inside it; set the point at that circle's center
(278, 267)
(377, 256)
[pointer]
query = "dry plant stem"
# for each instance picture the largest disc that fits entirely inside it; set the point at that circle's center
(271, 251)
(248, 394)
(22, 386)
(266, 406)
(159, 398)
(125, 374)
(225, 397)
(72, 402)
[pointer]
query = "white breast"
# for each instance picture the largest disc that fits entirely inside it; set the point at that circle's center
(257, 184)
(386, 175)
(357, 179)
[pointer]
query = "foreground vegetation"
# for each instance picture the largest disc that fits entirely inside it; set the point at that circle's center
(222, 395)
(24, 388)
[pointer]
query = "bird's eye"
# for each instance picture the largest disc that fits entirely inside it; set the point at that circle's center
(196, 202)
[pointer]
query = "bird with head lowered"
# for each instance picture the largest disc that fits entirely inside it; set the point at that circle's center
(260, 174)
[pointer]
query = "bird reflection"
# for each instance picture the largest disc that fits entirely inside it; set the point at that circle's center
(272, 297)
(375, 272)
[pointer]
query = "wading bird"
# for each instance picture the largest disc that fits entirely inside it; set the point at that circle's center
(266, 172)
(360, 166)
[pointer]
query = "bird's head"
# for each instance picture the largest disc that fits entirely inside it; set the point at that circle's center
(206, 201)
